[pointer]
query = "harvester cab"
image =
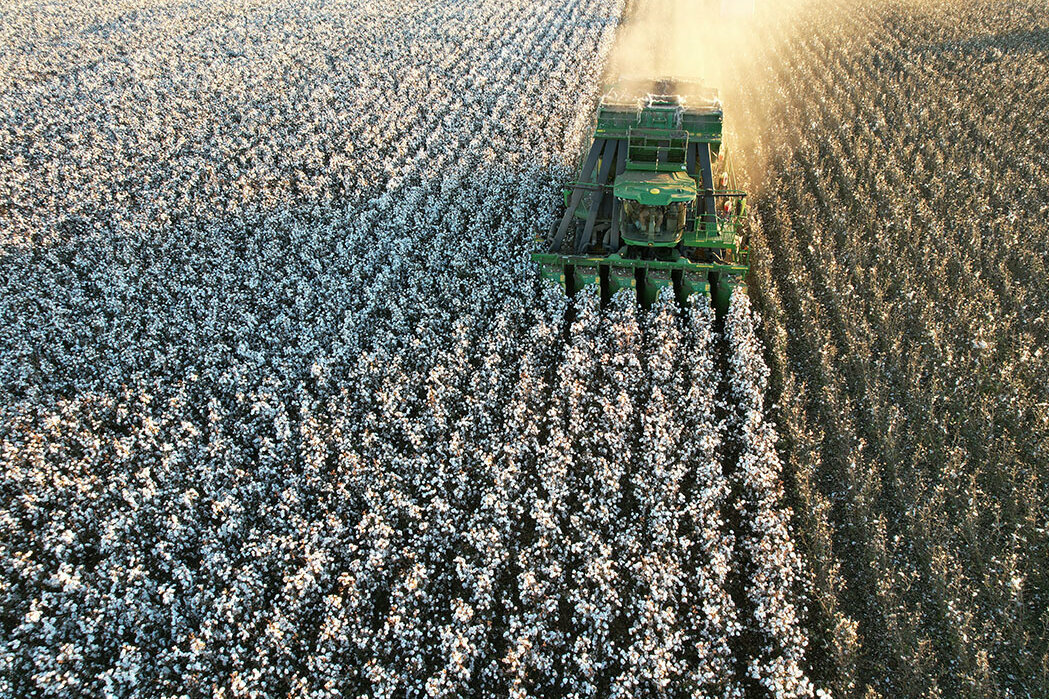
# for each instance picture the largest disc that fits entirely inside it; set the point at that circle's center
(654, 205)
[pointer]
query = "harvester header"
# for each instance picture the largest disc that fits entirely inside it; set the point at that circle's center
(654, 204)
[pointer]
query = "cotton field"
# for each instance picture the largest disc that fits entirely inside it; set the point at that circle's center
(285, 409)
(269, 429)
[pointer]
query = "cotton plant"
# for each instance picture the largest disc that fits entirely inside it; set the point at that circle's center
(775, 566)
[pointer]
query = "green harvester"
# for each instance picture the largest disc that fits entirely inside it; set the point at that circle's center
(655, 203)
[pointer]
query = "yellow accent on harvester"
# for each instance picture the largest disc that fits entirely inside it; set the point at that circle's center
(654, 190)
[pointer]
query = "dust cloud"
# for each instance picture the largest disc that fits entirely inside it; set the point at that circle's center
(722, 44)
(690, 39)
